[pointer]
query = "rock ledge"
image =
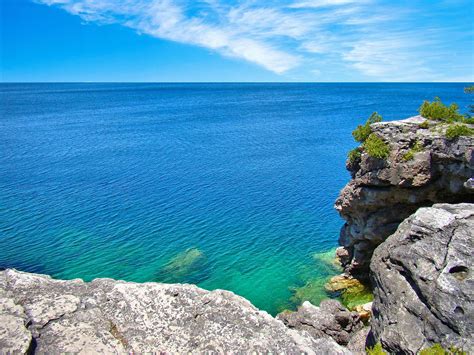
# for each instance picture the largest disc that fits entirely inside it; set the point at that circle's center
(41, 315)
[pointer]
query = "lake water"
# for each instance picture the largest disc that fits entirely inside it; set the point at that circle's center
(225, 185)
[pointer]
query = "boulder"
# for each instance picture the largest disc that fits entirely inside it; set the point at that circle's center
(423, 281)
(330, 320)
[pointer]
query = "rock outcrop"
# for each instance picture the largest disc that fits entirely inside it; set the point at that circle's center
(41, 315)
(383, 192)
(330, 319)
(423, 281)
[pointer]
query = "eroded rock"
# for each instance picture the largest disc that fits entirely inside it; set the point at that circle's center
(43, 315)
(329, 320)
(423, 281)
(382, 193)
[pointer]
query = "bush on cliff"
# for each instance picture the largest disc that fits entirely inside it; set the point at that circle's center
(375, 350)
(417, 147)
(438, 111)
(362, 132)
(376, 147)
(437, 349)
(355, 155)
(457, 130)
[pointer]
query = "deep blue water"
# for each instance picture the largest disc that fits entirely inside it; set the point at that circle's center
(224, 185)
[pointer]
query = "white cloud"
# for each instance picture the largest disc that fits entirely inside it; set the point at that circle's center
(280, 35)
(322, 3)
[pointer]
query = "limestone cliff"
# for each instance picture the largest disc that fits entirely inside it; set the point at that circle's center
(41, 315)
(424, 167)
(423, 281)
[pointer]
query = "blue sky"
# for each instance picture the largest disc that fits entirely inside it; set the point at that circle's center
(237, 40)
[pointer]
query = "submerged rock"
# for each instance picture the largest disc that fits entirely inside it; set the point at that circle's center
(423, 281)
(41, 315)
(382, 193)
(187, 266)
(312, 280)
(352, 292)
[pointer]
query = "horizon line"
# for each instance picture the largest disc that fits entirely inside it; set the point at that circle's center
(236, 82)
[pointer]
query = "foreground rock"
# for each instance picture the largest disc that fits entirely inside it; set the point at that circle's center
(330, 320)
(423, 281)
(382, 193)
(42, 315)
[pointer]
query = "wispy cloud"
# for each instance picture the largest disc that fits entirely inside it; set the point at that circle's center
(282, 36)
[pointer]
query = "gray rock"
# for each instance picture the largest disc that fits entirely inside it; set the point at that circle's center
(382, 193)
(358, 343)
(423, 281)
(43, 315)
(329, 320)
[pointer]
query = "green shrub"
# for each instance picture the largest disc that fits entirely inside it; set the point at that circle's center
(437, 349)
(469, 89)
(362, 132)
(468, 119)
(413, 150)
(376, 147)
(438, 111)
(457, 130)
(375, 350)
(424, 124)
(354, 155)
(455, 351)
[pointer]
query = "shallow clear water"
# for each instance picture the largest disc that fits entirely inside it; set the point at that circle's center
(224, 185)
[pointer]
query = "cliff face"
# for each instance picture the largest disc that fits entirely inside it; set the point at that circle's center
(41, 315)
(423, 281)
(383, 192)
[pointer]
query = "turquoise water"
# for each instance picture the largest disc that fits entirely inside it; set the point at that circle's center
(224, 185)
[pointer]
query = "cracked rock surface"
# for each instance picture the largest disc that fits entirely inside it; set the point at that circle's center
(39, 314)
(382, 193)
(423, 281)
(330, 319)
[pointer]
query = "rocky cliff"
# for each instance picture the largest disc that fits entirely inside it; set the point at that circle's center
(41, 315)
(423, 167)
(423, 281)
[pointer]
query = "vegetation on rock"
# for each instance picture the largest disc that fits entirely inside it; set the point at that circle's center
(457, 130)
(417, 148)
(355, 154)
(371, 143)
(376, 147)
(362, 132)
(438, 111)
(375, 350)
(437, 349)
(470, 90)
(424, 124)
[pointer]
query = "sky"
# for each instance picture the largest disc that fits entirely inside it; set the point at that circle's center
(237, 40)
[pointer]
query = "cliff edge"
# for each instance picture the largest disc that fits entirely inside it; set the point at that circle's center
(39, 314)
(423, 167)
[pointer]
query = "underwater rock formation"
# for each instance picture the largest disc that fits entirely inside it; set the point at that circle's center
(350, 290)
(41, 315)
(188, 266)
(383, 192)
(423, 281)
